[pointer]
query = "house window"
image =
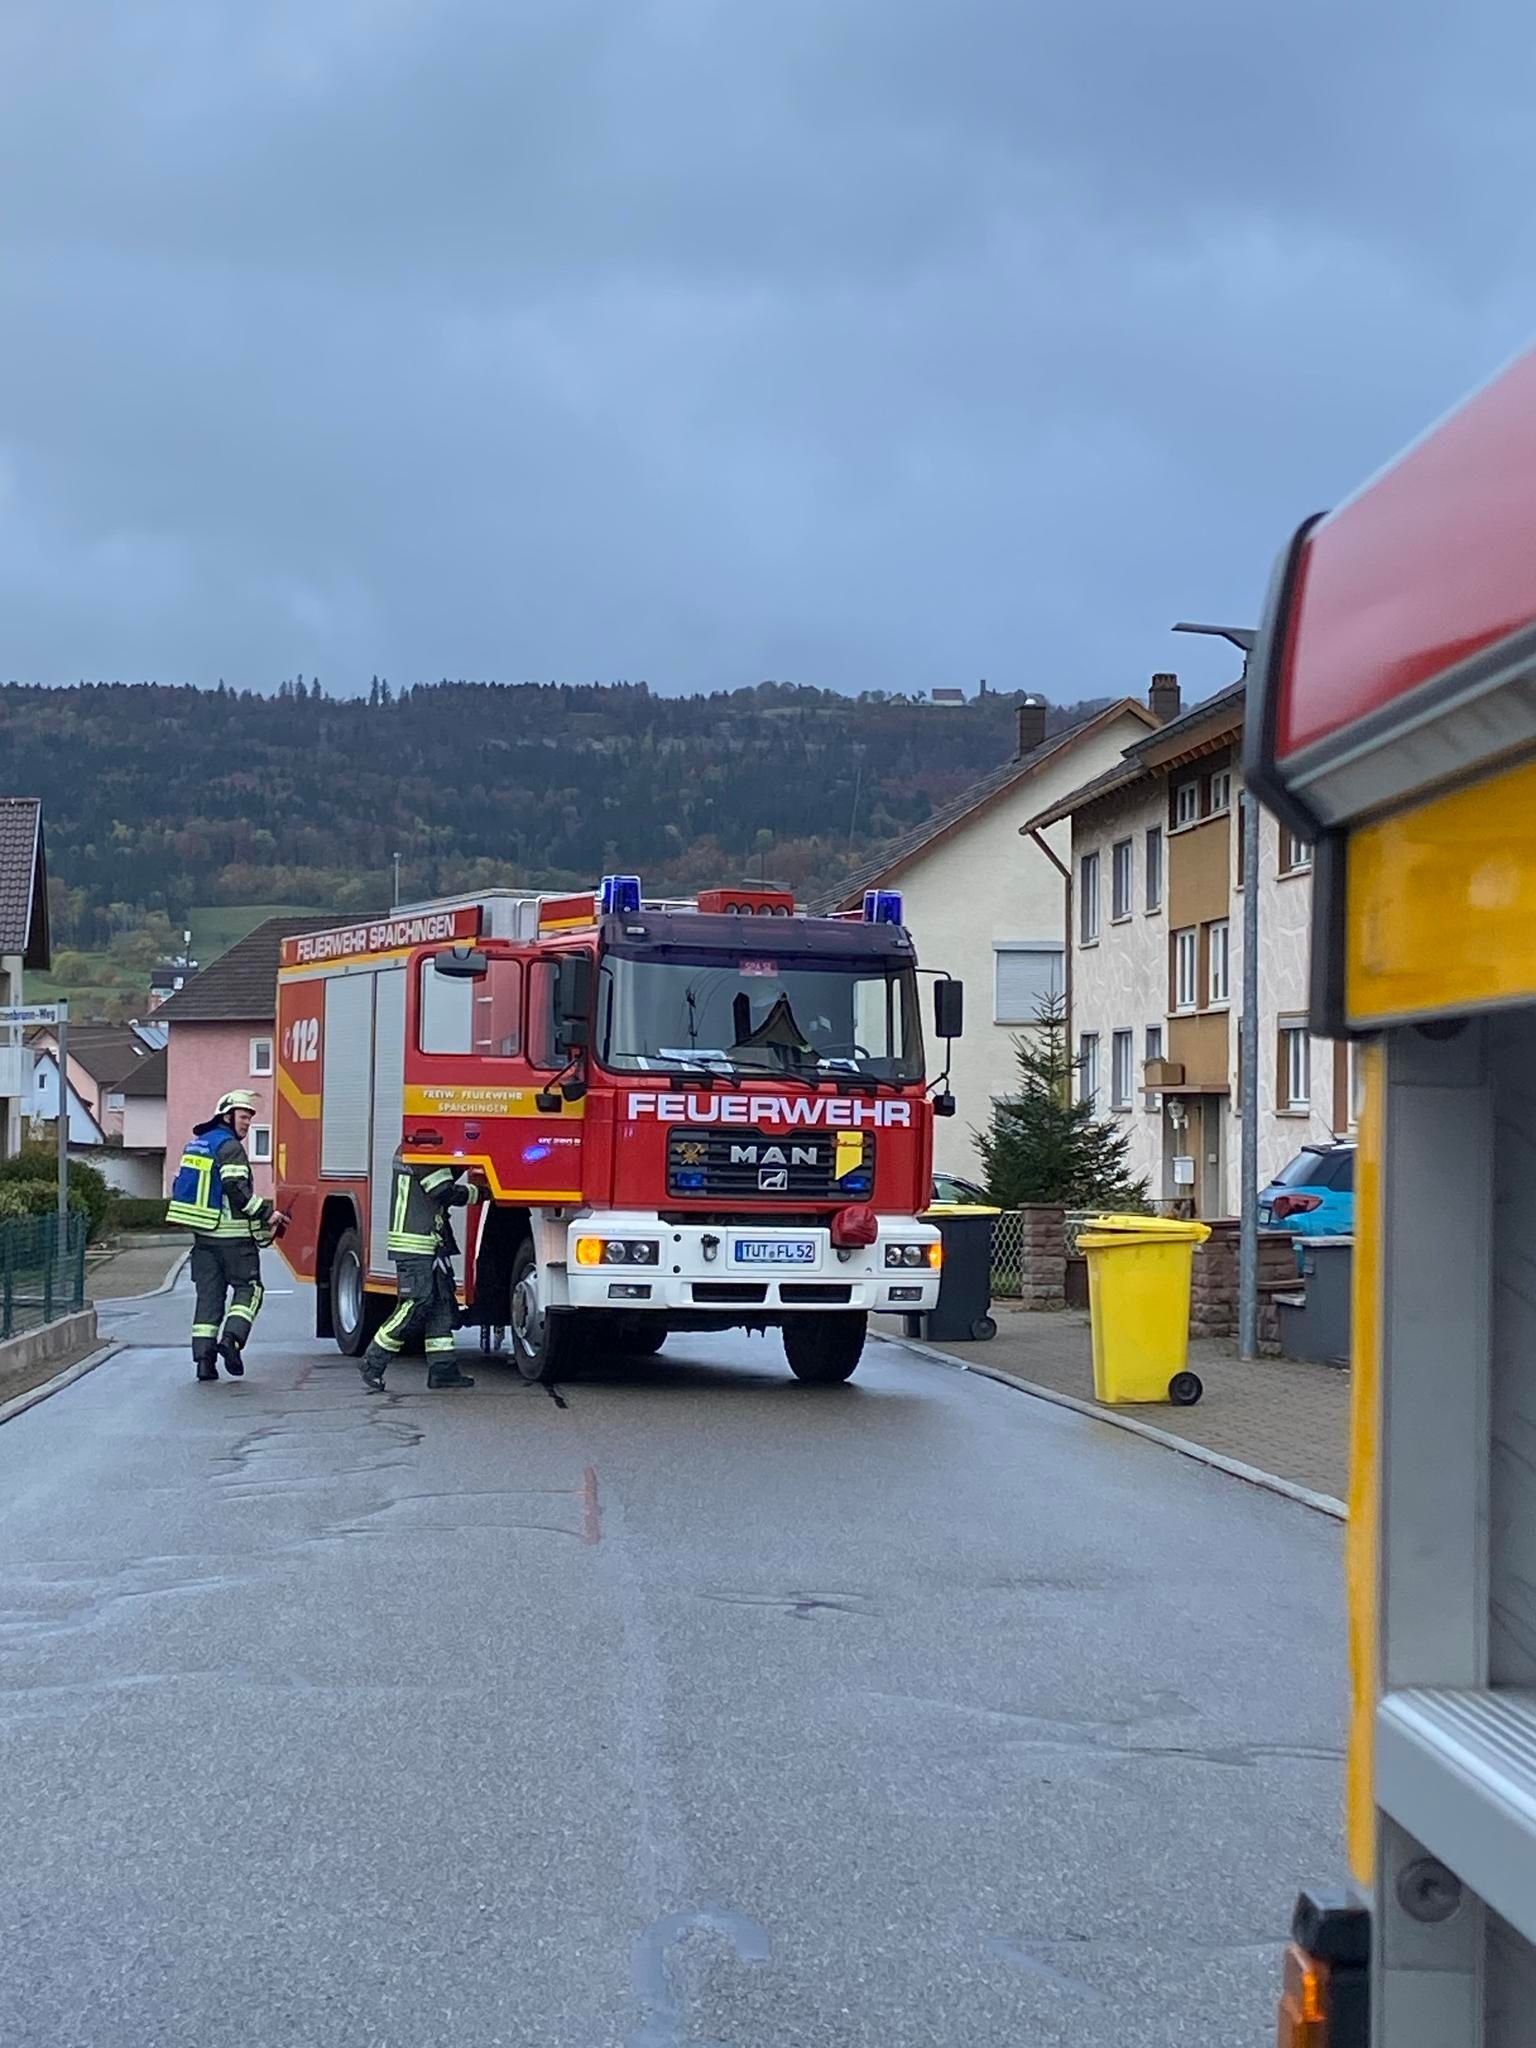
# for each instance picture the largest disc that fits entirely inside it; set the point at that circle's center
(1155, 868)
(1219, 797)
(1218, 954)
(1186, 802)
(261, 1055)
(1295, 852)
(1088, 899)
(115, 1101)
(1027, 974)
(1295, 1065)
(1088, 1069)
(1120, 880)
(1154, 1052)
(1122, 1069)
(259, 1150)
(1186, 968)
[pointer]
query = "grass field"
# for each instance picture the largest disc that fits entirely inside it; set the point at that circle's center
(215, 927)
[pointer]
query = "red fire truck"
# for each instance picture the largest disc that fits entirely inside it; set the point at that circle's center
(695, 1115)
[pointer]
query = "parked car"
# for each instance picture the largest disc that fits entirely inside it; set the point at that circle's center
(950, 1188)
(1314, 1196)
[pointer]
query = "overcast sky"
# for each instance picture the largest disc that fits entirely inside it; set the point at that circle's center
(869, 343)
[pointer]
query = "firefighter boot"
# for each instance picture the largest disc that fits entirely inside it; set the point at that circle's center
(205, 1361)
(372, 1370)
(448, 1376)
(234, 1363)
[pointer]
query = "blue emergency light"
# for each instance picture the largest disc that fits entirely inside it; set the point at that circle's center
(882, 906)
(619, 895)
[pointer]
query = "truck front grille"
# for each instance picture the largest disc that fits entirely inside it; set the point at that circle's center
(750, 1165)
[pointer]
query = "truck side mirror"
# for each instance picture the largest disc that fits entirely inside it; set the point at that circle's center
(460, 963)
(948, 1007)
(573, 1002)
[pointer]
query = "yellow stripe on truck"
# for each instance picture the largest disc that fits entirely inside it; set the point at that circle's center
(1360, 1534)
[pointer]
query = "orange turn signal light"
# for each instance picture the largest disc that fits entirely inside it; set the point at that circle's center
(589, 1251)
(936, 1253)
(1303, 2017)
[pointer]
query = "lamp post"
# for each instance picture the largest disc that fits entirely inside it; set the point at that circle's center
(1243, 638)
(395, 904)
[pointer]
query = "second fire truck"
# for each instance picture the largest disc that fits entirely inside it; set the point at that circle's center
(691, 1115)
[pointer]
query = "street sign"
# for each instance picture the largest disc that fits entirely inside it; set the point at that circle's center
(33, 1013)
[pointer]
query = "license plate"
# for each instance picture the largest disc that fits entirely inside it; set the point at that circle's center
(775, 1251)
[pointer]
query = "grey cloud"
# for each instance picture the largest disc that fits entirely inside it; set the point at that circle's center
(864, 341)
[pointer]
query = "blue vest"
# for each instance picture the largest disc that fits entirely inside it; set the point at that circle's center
(197, 1192)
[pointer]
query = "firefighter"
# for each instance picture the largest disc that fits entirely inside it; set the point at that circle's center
(212, 1196)
(422, 1245)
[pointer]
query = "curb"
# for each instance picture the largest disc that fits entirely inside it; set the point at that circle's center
(165, 1287)
(1271, 1482)
(19, 1405)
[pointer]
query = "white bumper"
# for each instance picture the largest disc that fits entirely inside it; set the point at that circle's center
(747, 1269)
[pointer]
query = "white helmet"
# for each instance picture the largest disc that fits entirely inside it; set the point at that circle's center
(237, 1098)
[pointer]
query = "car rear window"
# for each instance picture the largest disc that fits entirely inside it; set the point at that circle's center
(1341, 1170)
(1307, 1169)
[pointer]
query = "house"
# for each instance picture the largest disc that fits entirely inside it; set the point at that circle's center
(24, 944)
(220, 1028)
(100, 1057)
(984, 908)
(1157, 962)
(164, 982)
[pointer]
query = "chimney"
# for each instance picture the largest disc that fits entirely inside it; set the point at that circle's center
(1163, 698)
(1031, 726)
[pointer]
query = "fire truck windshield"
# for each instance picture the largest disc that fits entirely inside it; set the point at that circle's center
(770, 1015)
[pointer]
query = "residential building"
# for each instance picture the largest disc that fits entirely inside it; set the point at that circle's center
(994, 914)
(24, 944)
(100, 1057)
(221, 1029)
(1157, 964)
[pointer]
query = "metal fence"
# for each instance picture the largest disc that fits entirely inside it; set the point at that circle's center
(1008, 1254)
(42, 1271)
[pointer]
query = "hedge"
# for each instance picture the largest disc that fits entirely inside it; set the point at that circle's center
(37, 1167)
(139, 1212)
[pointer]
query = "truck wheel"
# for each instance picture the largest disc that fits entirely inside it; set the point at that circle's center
(544, 1346)
(824, 1349)
(355, 1313)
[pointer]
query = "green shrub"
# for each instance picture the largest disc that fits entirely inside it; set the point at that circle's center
(138, 1212)
(88, 1189)
(35, 1198)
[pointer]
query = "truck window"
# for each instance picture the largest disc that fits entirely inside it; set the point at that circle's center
(481, 1018)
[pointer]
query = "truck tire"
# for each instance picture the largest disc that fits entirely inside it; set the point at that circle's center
(824, 1350)
(355, 1313)
(544, 1346)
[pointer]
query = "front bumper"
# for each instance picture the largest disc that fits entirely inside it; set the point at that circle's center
(699, 1269)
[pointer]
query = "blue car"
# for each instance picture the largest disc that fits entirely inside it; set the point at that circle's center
(1314, 1196)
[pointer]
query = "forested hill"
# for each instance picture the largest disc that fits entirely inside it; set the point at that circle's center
(159, 798)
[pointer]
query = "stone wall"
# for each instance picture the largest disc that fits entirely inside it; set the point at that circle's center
(1042, 1257)
(1214, 1285)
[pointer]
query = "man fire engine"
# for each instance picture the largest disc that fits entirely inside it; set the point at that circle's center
(1396, 729)
(690, 1115)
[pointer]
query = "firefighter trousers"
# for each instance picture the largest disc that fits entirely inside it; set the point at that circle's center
(225, 1270)
(427, 1299)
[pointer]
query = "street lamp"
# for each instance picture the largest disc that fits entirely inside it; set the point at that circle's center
(396, 903)
(1244, 638)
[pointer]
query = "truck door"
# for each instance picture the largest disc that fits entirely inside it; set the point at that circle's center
(479, 1060)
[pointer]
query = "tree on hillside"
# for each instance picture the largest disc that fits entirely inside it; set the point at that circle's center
(1045, 1144)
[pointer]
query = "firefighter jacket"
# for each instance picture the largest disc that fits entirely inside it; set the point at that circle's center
(420, 1199)
(212, 1193)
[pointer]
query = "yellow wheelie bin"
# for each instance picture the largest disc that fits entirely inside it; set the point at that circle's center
(1138, 1303)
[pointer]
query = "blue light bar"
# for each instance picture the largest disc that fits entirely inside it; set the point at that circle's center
(882, 906)
(619, 895)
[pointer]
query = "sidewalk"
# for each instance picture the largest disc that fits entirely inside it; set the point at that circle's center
(136, 1269)
(1280, 1416)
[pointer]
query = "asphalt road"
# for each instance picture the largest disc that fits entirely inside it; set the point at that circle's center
(705, 1709)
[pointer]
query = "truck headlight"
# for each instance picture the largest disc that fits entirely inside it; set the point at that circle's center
(931, 1255)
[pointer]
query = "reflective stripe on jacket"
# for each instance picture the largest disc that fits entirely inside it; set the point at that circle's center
(215, 1159)
(420, 1198)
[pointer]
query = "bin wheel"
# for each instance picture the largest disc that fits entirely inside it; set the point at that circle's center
(983, 1328)
(1185, 1389)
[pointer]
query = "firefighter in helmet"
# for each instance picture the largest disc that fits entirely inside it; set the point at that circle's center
(422, 1246)
(212, 1197)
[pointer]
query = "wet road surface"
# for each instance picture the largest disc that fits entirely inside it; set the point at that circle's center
(707, 1708)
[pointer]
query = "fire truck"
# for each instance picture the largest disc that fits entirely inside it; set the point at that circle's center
(1396, 730)
(687, 1116)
